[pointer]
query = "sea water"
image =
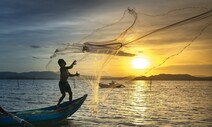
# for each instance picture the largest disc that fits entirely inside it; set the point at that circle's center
(161, 103)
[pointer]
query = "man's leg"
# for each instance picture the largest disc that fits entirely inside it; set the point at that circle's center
(61, 99)
(70, 96)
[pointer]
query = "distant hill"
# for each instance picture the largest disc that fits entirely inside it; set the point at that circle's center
(29, 75)
(54, 75)
(174, 77)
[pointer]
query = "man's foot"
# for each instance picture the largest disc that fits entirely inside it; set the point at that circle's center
(70, 99)
(58, 107)
(73, 103)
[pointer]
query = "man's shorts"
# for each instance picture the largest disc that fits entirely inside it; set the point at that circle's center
(64, 87)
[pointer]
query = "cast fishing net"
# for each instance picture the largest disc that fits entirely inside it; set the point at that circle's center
(160, 38)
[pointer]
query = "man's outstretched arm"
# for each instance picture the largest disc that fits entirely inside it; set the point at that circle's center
(72, 75)
(72, 65)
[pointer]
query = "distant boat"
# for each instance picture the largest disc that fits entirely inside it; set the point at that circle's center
(44, 115)
(113, 84)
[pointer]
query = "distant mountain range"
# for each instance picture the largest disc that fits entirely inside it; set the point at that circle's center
(174, 77)
(54, 75)
(29, 75)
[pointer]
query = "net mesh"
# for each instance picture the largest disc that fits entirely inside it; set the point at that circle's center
(157, 37)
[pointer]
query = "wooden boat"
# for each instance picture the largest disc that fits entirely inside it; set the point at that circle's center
(111, 85)
(44, 115)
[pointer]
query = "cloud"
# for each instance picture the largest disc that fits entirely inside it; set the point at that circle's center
(36, 57)
(35, 46)
(122, 53)
(28, 21)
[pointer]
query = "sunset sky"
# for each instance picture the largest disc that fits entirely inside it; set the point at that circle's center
(31, 30)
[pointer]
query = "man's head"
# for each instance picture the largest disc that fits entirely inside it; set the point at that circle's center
(61, 62)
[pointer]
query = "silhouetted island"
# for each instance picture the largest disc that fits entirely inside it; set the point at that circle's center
(29, 75)
(174, 77)
(55, 76)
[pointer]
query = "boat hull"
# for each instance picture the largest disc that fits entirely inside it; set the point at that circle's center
(102, 85)
(44, 115)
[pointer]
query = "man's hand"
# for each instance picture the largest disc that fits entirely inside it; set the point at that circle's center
(74, 63)
(77, 74)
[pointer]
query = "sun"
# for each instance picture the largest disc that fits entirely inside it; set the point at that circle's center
(140, 63)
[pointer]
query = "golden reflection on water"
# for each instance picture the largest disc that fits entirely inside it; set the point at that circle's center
(139, 102)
